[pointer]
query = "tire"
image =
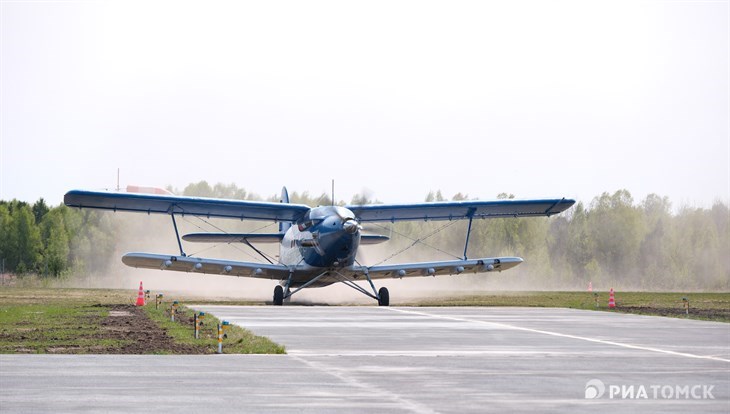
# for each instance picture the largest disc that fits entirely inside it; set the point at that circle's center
(384, 297)
(278, 295)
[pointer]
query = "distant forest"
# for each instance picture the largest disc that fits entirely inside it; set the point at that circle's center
(613, 240)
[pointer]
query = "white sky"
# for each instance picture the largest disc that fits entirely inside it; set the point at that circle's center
(539, 99)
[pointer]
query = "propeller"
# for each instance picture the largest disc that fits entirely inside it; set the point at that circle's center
(351, 226)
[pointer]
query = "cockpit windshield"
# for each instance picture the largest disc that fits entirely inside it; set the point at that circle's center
(317, 214)
(307, 221)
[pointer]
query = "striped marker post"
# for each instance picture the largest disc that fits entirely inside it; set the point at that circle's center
(220, 339)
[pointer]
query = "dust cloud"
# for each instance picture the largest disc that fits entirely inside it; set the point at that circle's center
(155, 234)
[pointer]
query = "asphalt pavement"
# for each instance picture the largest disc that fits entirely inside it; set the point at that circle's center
(377, 359)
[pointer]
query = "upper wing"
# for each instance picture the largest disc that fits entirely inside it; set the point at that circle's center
(233, 237)
(454, 210)
(448, 267)
(194, 206)
(207, 266)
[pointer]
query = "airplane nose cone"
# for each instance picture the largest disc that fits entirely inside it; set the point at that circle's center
(351, 226)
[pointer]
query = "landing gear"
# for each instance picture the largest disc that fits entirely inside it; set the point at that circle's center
(287, 295)
(278, 295)
(383, 297)
(282, 293)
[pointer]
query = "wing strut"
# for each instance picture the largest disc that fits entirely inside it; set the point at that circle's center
(468, 231)
(316, 278)
(287, 291)
(257, 250)
(177, 234)
(350, 283)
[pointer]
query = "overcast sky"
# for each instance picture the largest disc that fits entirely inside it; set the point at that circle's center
(538, 99)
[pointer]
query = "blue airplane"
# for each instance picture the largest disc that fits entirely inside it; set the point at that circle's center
(317, 246)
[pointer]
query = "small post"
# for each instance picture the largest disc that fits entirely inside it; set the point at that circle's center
(195, 323)
(220, 339)
(198, 320)
(595, 296)
(158, 301)
(686, 306)
(225, 327)
(173, 310)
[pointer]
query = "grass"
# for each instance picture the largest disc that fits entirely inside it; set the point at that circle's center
(712, 306)
(53, 328)
(705, 306)
(237, 341)
(45, 320)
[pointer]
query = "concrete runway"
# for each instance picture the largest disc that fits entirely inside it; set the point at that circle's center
(370, 359)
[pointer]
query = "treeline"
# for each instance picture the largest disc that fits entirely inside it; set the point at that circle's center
(53, 241)
(613, 240)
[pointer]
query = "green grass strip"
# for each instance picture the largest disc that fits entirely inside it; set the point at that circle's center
(238, 340)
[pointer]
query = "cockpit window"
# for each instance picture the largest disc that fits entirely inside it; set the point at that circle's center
(344, 213)
(304, 225)
(307, 221)
(317, 214)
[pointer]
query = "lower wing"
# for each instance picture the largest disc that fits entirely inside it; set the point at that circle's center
(281, 272)
(208, 266)
(449, 267)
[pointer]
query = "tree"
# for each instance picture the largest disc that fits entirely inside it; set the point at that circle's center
(581, 246)
(654, 250)
(616, 227)
(200, 189)
(56, 243)
(25, 241)
(437, 196)
(40, 209)
(5, 232)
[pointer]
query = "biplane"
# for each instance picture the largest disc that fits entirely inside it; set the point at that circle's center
(317, 245)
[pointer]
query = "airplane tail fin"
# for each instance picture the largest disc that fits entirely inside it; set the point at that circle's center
(284, 226)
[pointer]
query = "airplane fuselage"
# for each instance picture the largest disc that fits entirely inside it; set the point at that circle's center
(327, 237)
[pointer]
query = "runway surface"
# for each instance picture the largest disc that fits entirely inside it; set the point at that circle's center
(371, 359)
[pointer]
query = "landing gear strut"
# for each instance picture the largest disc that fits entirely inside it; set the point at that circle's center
(382, 295)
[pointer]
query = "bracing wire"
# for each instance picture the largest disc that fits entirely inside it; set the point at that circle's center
(417, 241)
(269, 257)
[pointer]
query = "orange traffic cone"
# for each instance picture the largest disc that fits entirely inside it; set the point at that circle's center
(611, 299)
(590, 286)
(140, 295)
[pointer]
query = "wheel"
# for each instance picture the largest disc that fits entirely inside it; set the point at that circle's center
(278, 295)
(384, 297)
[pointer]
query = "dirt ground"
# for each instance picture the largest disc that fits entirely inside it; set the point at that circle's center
(130, 323)
(712, 314)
